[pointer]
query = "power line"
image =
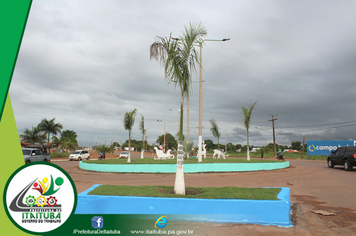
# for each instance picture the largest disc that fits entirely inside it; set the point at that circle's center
(304, 126)
(328, 128)
(320, 107)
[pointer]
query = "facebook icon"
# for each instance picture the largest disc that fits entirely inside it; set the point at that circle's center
(97, 222)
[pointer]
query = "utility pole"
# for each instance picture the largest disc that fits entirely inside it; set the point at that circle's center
(274, 137)
(303, 146)
(225, 140)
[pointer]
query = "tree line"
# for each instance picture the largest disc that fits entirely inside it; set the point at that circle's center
(42, 134)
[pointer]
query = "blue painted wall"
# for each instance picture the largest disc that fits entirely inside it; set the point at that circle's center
(269, 212)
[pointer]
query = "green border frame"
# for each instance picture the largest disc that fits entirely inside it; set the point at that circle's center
(40, 163)
(13, 18)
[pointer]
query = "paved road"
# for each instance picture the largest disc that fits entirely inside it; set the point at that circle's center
(313, 186)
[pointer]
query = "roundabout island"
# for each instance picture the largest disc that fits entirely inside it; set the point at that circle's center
(169, 166)
(246, 211)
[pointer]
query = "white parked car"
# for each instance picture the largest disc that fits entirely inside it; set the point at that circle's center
(79, 155)
(124, 155)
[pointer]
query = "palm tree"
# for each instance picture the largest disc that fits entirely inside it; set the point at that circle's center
(247, 112)
(215, 131)
(50, 127)
(179, 57)
(69, 139)
(104, 149)
(143, 131)
(32, 136)
(57, 142)
(187, 147)
(129, 121)
(70, 144)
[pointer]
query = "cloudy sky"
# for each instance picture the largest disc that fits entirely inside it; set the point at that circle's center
(86, 63)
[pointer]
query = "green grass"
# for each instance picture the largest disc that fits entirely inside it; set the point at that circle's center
(174, 161)
(196, 192)
(60, 154)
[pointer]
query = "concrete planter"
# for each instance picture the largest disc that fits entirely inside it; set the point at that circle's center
(266, 212)
(188, 168)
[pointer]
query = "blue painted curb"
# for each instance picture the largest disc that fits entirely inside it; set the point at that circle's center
(188, 168)
(265, 212)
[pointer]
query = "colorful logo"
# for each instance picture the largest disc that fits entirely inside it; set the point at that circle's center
(44, 200)
(161, 222)
(42, 204)
(97, 222)
(310, 148)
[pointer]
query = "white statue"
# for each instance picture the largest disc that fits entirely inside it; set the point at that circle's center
(219, 153)
(161, 155)
(203, 152)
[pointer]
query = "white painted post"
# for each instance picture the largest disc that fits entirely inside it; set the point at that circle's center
(179, 185)
(200, 140)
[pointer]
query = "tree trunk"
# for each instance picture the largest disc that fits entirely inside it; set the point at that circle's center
(129, 158)
(179, 184)
(248, 148)
(49, 150)
(143, 145)
(180, 135)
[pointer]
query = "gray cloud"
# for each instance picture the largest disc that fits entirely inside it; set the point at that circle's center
(88, 63)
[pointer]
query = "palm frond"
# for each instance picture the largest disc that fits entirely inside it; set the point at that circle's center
(214, 128)
(247, 112)
(179, 58)
(129, 119)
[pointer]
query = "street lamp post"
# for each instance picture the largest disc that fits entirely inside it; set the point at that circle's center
(200, 44)
(164, 134)
(200, 142)
(178, 117)
(188, 112)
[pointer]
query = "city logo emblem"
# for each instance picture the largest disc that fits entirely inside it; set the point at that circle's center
(161, 222)
(310, 148)
(97, 222)
(42, 204)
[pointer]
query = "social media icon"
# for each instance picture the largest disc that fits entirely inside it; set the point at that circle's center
(161, 222)
(97, 222)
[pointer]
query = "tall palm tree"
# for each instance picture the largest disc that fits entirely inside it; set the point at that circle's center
(247, 112)
(50, 127)
(143, 131)
(215, 131)
(129, 120)
(179, 57)
(32, 136)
